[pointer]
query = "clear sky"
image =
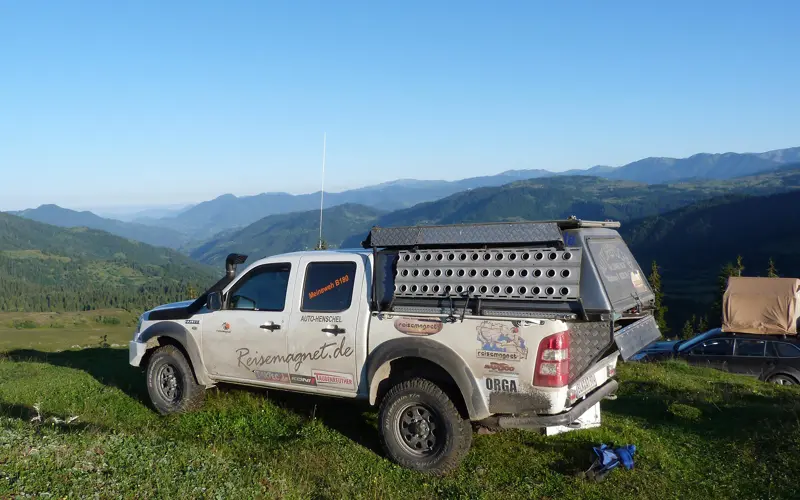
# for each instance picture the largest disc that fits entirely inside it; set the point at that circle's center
(145, 102)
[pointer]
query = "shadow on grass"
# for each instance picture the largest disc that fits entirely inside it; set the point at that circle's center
(352, 418)
(107, 365)
(110, 367)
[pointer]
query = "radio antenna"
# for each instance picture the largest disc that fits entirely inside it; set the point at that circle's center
(322, 191)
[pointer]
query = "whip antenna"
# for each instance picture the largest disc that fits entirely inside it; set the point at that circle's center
(322, 191)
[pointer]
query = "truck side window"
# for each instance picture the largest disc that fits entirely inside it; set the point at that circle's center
(264, 289)
(328, 286)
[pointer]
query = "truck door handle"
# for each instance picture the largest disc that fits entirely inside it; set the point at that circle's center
(333, 329)
(270, 326)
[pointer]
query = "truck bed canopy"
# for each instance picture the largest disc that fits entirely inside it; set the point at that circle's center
(766, 306)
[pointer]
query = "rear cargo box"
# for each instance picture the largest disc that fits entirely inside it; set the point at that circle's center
(767, 306)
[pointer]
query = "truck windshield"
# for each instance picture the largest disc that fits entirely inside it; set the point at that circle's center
(622, 278)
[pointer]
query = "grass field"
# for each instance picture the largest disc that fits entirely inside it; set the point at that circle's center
(698, 433)
(55, 331)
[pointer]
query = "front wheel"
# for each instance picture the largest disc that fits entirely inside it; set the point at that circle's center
(171, 383)
(421, 428)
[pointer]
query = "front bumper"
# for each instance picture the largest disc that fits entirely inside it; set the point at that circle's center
(136, 351)
(534, 422)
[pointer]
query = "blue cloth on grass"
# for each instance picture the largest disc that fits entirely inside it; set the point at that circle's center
(608, 459)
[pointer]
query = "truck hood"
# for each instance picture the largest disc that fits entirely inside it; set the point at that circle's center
(174, 310)
(173, 305)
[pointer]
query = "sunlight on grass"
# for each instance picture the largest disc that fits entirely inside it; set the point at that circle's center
(699, 434)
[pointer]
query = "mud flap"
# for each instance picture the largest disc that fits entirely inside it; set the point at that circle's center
(636, 336)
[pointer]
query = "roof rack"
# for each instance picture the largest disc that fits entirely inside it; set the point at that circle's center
(494, 233)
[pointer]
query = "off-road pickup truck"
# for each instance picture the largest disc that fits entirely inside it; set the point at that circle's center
(508, 325)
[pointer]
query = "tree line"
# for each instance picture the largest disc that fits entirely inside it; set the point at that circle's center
(699, 323)
(61, 284)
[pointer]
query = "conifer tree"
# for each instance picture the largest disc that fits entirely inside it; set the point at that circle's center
(771, 271)
(660, 309)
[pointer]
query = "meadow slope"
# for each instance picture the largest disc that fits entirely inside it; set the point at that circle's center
(699, 434)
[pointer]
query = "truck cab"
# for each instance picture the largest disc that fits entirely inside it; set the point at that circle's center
(439, 336)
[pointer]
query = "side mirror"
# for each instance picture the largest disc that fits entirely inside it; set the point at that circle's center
(214, 301)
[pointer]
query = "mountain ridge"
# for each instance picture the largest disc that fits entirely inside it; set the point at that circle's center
(65, 217)
(229, 211)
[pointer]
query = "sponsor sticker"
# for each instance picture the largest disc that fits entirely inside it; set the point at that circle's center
(334, 379)
(496, 367)
(302, 379)
(501, 384)
(224, 328)
(271, 376)
(501, 341)
(418, 326)
(192, 322)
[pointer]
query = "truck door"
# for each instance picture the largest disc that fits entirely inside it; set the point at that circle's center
(247, 339)
(323, 333)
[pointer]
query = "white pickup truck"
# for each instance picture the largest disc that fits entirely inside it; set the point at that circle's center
(514, 325)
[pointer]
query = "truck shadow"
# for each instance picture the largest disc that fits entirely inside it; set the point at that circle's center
(354, 419)
(109, 366)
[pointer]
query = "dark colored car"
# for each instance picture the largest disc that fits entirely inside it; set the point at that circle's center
(771, 358)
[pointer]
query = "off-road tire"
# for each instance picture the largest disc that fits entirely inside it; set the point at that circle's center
(188, 394)
(782, 379)
(451, 442)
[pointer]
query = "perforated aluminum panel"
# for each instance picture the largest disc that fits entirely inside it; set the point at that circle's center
(587, 340)
(509, 274)
(466, 234)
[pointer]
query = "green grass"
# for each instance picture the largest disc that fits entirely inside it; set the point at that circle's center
(57, 331)
(699, 434)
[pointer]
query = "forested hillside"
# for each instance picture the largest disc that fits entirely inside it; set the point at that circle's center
(45, 267)
(692, 245)
(289, 232)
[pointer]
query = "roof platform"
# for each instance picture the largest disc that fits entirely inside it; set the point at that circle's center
(485, 234)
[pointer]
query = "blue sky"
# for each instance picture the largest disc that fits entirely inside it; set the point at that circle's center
(138, 103)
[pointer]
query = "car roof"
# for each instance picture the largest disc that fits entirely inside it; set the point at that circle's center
(718, 333)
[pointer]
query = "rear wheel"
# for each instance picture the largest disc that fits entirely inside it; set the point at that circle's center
(782, 380)
(421, 428)
(171, 383)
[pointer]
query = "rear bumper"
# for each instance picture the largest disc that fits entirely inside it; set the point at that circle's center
(565, 418)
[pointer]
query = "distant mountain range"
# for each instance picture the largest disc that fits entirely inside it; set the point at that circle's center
(187, 227)
(63, 217)
(228, 211)
(545, 198)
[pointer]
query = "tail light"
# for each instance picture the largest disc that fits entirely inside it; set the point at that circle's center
(552, 365)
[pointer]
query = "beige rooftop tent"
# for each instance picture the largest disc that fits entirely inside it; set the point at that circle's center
(761, 305)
